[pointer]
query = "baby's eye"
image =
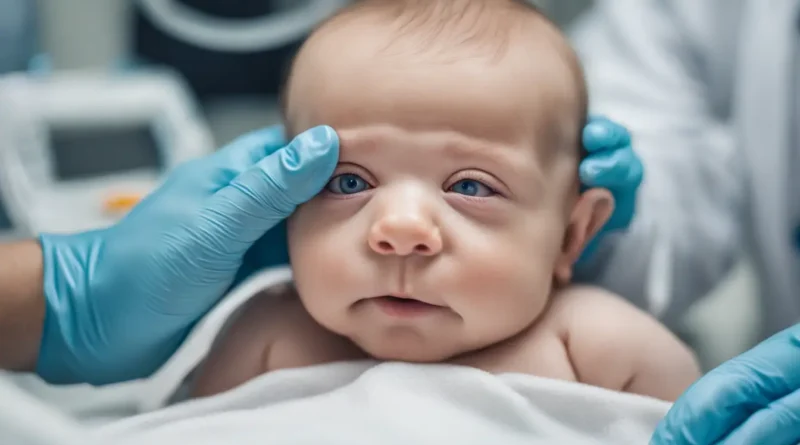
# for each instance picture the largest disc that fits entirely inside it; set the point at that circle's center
(471, 187)
(347, 184)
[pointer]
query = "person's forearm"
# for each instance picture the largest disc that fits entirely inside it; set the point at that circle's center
(22, 305)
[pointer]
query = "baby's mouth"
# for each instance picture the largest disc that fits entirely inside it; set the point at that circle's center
(402, 299)
(403, 306)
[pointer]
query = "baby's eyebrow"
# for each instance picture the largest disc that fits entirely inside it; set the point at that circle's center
(478, 150)
(504, 157)
(450, 145)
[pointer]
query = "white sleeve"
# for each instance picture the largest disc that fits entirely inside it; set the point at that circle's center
(644, 72)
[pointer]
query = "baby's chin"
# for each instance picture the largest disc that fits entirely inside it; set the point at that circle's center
(408, 349)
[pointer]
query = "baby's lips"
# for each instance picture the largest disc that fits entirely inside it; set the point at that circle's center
(404, 296)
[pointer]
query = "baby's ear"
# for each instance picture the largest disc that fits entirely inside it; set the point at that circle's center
(593, 209)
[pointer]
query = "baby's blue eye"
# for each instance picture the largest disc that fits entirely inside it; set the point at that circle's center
(347, 184)
(471, 187)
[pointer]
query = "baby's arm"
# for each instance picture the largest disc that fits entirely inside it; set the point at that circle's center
(241, 352)
(613, 344)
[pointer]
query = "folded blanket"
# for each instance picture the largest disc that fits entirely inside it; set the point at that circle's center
(370, 402)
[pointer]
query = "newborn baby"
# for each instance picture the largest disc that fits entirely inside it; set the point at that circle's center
(450, 227)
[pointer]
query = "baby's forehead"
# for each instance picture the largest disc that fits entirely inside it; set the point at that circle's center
(361, 69)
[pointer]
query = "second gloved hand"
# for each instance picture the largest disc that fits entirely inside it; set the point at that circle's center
(752, 399)
(119, 301)
(611, 164)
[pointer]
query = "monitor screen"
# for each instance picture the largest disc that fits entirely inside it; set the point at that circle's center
(85, 152)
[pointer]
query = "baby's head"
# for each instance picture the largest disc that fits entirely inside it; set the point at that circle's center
(457, 189)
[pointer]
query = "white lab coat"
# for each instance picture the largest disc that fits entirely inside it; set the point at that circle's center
(707, 89)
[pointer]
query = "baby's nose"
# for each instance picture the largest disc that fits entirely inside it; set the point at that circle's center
(405, 235)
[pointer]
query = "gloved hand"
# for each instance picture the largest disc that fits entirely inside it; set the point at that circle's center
(751, 399)
(119, 301)
(613, 165)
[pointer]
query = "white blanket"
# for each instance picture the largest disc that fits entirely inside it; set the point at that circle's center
(396, 403)
(378, 403)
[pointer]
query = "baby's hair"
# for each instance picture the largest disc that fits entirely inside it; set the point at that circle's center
(444, 27)
(482, 28)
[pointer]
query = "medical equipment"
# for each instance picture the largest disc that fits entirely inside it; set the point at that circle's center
(77, 149)
(219, 47)
(290, 22)
(227, 48)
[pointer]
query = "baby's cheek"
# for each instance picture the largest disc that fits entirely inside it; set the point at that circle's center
(306, 231)
(307, 246)
(295, 229)
(325, 265)
(508, 285)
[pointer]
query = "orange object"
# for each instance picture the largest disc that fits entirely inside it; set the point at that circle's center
(122, 202)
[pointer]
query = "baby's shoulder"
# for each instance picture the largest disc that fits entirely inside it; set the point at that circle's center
(579, 305)
(615, 345)
(604, 334)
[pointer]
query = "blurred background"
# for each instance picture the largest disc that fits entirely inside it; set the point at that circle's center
(98, 98)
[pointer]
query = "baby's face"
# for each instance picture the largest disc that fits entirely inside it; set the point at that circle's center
(445, 222)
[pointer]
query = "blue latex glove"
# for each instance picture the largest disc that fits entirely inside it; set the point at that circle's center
(752, 399)
(613, 165)
(119, 301)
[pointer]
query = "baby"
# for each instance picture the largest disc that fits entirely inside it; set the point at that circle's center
(450, 227)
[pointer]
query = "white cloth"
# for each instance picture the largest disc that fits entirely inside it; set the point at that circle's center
(706, 88)
(26, 420)
(396, 403)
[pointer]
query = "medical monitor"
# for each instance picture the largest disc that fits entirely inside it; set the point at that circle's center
(86, 151)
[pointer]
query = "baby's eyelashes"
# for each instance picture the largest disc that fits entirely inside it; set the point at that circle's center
(475, 183)
(472, 187)
(350, 180)
(347, 184)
